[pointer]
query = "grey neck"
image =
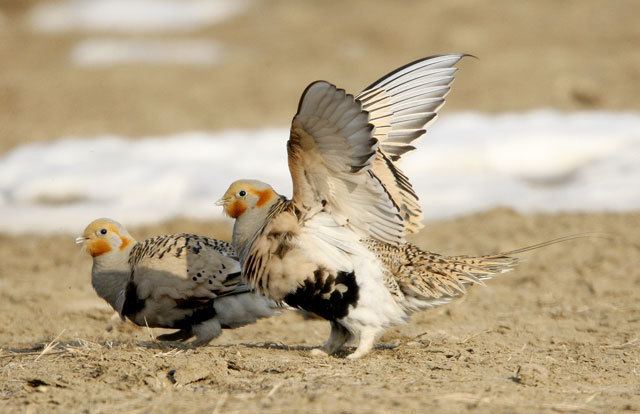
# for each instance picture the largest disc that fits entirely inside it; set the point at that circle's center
(241, 242)
(111, 286)
(245, 230)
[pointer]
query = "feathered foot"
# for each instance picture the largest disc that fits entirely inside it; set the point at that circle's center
(181, 335)
(337, 338)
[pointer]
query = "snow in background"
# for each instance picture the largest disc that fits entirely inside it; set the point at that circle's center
(539, 161)
(121, 22)
(132, 16)
(108, 52)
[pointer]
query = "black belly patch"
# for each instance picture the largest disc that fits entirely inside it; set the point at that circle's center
(326, 295)
(132, 303)
(201, 309)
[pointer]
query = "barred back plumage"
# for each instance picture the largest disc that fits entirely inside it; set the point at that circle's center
(431, 277)
(177, 244)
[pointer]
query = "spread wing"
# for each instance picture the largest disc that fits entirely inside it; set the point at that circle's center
(401, 105)
(331, 150)
(343, 151)
(186, 268)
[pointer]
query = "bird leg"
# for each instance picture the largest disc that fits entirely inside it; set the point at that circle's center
(367, 339)
(206, 331)
(181, 335)
(115, 322)
(337, 338)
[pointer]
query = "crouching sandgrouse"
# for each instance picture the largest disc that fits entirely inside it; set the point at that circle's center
(180, 281)
(337, 247)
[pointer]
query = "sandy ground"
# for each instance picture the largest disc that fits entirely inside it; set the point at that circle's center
(559, 334)
(571, 54)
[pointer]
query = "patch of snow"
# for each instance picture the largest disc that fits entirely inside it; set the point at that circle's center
(109, 52)
(538, 161)
(132, 16)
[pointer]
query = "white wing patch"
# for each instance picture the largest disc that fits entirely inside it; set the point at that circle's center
(330, 243)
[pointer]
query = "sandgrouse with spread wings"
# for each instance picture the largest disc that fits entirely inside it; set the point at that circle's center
(180, 281)
(338, 248)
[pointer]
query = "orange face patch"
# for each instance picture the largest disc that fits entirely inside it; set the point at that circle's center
(99, 247)
(235, 209)
(263, 196)
(125, 242)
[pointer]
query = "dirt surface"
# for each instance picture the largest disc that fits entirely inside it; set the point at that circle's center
(559, 334)
(571, 54)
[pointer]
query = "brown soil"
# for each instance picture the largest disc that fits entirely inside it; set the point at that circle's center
(559, 334)
(571, 54)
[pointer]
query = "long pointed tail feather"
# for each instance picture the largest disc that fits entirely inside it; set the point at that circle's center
(562, 239)
(428, 279)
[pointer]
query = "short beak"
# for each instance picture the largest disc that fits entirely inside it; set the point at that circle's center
(80, 240)
(222, 202)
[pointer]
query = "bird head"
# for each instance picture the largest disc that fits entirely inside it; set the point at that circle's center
(246, 195)
(105, 237)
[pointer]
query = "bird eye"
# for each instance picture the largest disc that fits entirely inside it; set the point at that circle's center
(103, 231)
(242, 193)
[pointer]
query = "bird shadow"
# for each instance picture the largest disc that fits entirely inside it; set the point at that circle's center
(169, 346)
